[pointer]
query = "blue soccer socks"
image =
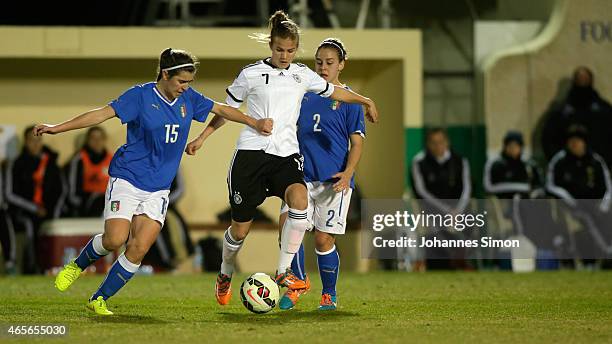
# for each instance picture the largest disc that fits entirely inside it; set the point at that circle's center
(117, 277)
(329, 266)
(91, 252)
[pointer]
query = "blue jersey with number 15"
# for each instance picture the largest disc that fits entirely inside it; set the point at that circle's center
(157, 131)
(324, 129)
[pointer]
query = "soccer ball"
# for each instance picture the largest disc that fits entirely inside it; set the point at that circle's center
(259, 293)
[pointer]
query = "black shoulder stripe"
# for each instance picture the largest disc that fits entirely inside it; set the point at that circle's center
(325, 90)
(231, 95)
(249, 66)
(252, 64)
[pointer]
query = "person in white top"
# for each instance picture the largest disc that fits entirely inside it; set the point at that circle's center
(273, 88)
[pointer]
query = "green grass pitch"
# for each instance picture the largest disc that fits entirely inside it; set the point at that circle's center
(483, 307)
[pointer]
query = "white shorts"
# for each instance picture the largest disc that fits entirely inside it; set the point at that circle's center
(123, 200)
(327, 209)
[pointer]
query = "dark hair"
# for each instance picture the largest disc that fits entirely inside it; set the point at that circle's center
(583, 69)
(93, 129)
(336, 44)
(513, 136)
(27, 131)
(283, 27)
(577, 130)
(173, 57)
(436, 130)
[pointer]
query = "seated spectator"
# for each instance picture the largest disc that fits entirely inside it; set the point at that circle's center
(508, 174)
(88, 175)
(34, 191)
(512, 179)
(582, 106)
(580, 177)
(7, 232)
(441, 178)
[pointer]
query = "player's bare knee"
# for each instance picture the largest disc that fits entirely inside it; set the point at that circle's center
(112, 242)
(296, 196)
(136, 251)
(240, 230)
(324, 241)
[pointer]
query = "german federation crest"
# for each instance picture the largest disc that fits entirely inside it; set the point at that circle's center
(237, 198)
(296, 78)
(114, 206)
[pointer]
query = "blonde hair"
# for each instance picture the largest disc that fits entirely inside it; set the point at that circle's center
(281, 26)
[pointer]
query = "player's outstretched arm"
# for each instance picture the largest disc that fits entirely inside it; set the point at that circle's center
(354, 155)
(262, 126)
(87, 119)
(348, 96)
(193, 146)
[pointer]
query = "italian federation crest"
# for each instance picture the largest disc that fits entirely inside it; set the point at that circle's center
(115, 205)
(183, 111)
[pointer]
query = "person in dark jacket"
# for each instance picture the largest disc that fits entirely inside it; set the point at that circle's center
(509, 173)
(581, 179)
(34, 191)
(88, 175)
(440, 176)
(514, 180)
(441, 179)
(582, 106)
(7, 232)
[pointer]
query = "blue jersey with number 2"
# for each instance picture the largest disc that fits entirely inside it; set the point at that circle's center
(324, 129)
(157, 131)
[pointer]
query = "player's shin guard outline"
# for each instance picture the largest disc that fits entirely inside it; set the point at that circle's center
(291, 237)
(120, 273)
(231, 247)
(328, 263)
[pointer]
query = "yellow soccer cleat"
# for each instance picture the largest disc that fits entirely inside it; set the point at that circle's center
(67, 276)
(98, 306)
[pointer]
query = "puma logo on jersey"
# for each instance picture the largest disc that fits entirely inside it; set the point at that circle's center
(155, 106)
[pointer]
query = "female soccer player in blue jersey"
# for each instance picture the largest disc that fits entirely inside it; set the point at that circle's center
(158, 117)
(325, 130)
(272, 166)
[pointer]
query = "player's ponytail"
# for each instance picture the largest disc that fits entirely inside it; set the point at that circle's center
(280, 26)
(336, 44)
(173, 61)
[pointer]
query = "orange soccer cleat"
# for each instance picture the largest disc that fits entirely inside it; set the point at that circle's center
(223, 289)
(288, 280)
(291, 297)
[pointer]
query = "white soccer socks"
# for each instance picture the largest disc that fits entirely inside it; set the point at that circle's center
(231, 247)
(291, 237)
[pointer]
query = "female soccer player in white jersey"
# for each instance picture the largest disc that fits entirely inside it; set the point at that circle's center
(325, 130)
(158, 116)
(271, 166)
